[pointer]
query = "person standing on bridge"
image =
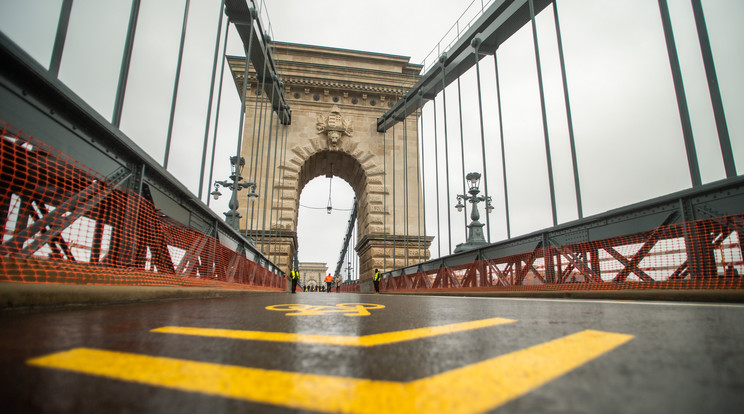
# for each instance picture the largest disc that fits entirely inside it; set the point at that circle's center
(329, 282)
(294, 276)
(376, 280)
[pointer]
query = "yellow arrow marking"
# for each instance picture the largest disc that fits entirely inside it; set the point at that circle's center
(364, 341)
(474, 388)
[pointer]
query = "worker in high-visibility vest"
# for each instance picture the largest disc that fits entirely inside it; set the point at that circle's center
(294, 276)
(376, 280)
(329, 282)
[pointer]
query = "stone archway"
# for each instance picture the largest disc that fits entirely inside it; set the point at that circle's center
(336, 97)
(342, 165)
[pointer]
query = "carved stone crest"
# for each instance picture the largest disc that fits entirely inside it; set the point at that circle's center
(334, 126)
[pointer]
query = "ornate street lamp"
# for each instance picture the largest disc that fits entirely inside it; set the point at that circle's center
(236, 184)
(475, 232)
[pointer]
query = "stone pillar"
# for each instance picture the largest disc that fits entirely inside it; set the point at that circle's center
(279, 246)
(336, 97)
(377, 252)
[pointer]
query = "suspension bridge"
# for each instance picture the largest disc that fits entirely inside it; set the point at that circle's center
(95, 211)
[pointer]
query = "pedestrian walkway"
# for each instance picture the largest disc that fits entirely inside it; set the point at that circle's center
(363, 353)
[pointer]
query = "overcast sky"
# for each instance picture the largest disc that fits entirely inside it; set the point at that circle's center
(626, 124)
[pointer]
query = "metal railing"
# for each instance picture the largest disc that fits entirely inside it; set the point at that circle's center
(459, 27)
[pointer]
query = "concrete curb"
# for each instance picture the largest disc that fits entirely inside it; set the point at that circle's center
(34, 295)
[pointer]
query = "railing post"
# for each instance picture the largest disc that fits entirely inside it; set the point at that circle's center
(701, 260)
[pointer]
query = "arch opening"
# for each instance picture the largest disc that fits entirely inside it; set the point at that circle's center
(320, 231)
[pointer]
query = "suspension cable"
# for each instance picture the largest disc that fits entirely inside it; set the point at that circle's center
(285, 132)
(419, 135)
(177, 80)
(544, 114)
(209, 104)
(436, 175)
(354, 255)
(258, 110)
(569, 118)
(348, 259)
(384, 199)
(395, 241)
(266, 161)
(243, 103)
(503, 151)
(462, 155)
(405, 179)
(446, 150)
(217, 110)
(272, 240)
(252, 175)
(346, 244)
(274, 222)
(476, 45)
(126, 59)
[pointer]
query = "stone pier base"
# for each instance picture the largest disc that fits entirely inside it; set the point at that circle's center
(386, 253)
(278, 246)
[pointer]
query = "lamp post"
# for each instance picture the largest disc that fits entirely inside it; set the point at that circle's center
(236, 184)
(475, 228)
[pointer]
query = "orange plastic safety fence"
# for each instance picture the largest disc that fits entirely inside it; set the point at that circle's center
(351, 287)
(62, 222)
(704, 254)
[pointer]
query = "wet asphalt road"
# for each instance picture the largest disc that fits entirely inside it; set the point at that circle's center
(670, 358)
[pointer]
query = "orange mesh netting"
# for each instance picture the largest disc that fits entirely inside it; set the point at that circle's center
(350, 287)
(704, 254)
(64, 223)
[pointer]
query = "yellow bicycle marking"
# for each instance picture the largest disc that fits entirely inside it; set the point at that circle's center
(348, 309)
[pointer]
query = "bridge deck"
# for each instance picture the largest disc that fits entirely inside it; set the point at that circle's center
(277, 352)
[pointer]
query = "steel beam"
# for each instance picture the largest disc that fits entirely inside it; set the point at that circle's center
(500, 21)
(242, 16)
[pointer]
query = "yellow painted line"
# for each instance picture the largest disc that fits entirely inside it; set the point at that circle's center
(363, 341)
(471, 389)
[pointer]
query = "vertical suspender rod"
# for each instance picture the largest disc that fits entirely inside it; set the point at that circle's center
(422, 181)
(546, 135)
(126, 60)
(679, 88)
(714, 90)
(462, 156)
(175, 84)
(503, 150)
(217, 110)
(442, 60)
(405, 181)
(436, 175)
(569, 118)
(476, 46)
(209, 102)
(60, 37)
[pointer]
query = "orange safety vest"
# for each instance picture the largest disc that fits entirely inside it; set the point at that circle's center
(329, 278)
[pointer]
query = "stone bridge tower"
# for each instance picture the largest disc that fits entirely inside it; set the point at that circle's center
(336, 97)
